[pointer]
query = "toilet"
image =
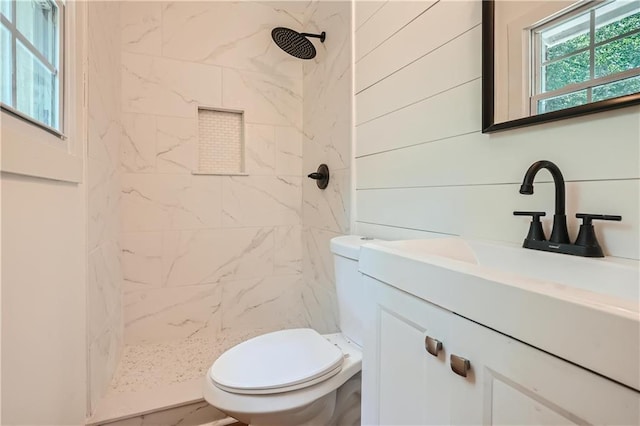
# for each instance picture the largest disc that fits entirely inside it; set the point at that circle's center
(298, 377)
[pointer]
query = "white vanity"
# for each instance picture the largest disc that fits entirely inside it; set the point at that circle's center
(435, 306)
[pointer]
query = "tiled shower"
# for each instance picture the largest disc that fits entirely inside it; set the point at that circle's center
(197, 260)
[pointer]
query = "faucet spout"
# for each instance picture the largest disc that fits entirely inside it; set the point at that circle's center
(559, 234)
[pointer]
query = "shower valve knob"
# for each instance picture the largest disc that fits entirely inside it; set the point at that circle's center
(321, 176)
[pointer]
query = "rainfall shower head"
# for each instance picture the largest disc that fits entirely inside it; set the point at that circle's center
(295, 43)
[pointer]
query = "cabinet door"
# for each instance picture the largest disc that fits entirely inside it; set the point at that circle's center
(403, 384)
(513, 383)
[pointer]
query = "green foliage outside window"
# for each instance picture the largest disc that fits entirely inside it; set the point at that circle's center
(610, 58)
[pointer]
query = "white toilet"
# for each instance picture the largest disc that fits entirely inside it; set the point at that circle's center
(298, 377)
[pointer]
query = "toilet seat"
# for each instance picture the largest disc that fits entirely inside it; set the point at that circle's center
(249, 408)
(277, 362)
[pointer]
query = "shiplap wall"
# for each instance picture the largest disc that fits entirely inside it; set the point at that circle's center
(423, 167)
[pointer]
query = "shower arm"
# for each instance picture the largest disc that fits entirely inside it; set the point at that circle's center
(321, 36)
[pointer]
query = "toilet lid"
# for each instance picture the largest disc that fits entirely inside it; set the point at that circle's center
(277, 362)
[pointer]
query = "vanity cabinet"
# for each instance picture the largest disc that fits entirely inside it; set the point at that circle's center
(508, 382)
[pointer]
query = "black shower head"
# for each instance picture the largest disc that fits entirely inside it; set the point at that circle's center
(295, 43)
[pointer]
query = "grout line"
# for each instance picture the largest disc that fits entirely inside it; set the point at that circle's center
(372, 15)
(405, 227)
(417, 59)
(208, 64)
(417, 144)
(491, 184)
(419, 101)
(191, 117)
(397, 31)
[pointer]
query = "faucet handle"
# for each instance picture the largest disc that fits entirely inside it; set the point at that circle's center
(588, 217)
(587, 235)
(535, 215)
(536, 233)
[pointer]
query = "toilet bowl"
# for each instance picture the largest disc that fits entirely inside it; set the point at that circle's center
(298, 377)
(311, 402)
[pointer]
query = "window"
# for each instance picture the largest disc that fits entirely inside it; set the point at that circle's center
(43, 109)
(586, 55)
(31, 41)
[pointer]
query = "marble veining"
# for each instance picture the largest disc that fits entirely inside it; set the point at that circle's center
(103, 289)
(288, 151)
(211, 256)
(327, 123)
(138, 143)
(265, 98)
(222, 41)
(320, 308)
(272, 302)
(328, 209)
(278, 198)
(208, 287)
(142, 260)
(158, 85)
(104, 132)
(288, 250)
(177, 145)
(328, 82)
(260, 149)
(152, 202)
(104, 353)
(140, 27)
(172, 313)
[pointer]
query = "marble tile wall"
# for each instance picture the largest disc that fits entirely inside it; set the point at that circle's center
(209, 255)
(327, 124)
(104, 280)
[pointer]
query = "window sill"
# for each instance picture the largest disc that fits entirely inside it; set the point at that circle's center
(28, 150)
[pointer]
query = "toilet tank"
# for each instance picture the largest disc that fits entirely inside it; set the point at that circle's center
(349, 287)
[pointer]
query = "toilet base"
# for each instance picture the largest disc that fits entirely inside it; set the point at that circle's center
(339, 408)
(348, 403)
(317, 413)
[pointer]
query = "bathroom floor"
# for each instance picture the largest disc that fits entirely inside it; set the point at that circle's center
(152, 377)
(147, 366)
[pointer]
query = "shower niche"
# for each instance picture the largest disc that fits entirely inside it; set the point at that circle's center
(220, 141)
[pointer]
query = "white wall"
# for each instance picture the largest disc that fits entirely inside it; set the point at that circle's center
(104, 274)
(61, 276)
(47, 244)
(423, 167)
(327, 139)
(207, 256)
(43, 302)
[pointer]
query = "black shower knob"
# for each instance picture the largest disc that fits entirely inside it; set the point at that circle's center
(321, 176)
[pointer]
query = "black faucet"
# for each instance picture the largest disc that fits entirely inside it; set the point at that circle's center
(559, 233)
(586, 244)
